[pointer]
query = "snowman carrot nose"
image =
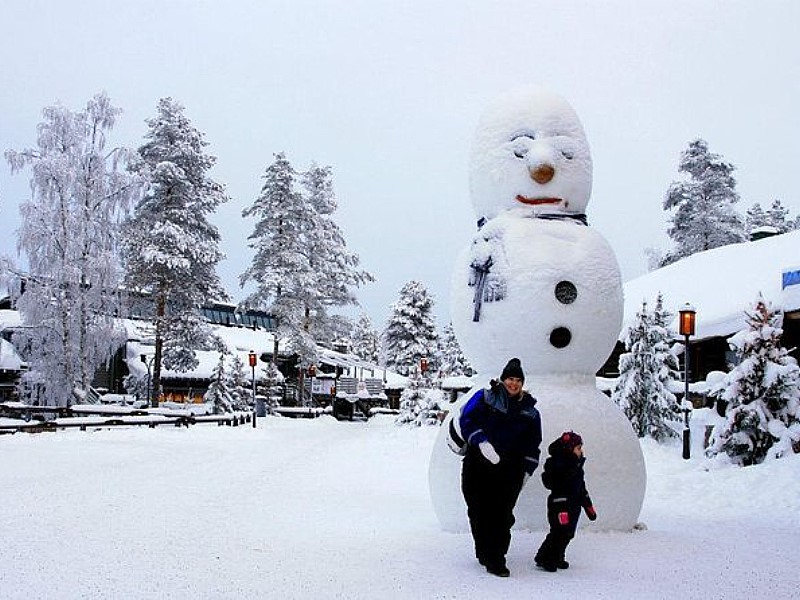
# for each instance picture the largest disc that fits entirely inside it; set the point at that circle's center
(542, 173)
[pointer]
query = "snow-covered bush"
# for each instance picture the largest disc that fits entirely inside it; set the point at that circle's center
(420, 405)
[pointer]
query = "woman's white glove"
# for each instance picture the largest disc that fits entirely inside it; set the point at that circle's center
(489, 452)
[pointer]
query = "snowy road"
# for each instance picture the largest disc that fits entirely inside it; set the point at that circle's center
(321, 509)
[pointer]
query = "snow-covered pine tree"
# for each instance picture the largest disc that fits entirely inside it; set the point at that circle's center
(171, 250)
(410, 400)
(667, 366)
(366, 340)
(777, 216)
(136, 385)
(267, 387)
(642, 388)
(762, 392)
(336, 332)
(69, 236)
(218, 393)
(755, 217)
(335, 269)
(187, 332)
(301, 266)
(281, 269)
(705, 216)
(240, 386)
(452, 360)
(410, 332)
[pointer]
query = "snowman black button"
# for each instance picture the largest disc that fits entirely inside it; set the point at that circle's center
(560, 337)
(566, 292)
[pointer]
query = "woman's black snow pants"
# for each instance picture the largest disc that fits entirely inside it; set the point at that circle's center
(491, 492)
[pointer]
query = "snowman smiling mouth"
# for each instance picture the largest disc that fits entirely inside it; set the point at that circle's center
(538, 201)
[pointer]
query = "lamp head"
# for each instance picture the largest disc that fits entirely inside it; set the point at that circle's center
(686, 319)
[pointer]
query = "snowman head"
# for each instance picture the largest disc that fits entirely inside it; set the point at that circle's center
(530, 152)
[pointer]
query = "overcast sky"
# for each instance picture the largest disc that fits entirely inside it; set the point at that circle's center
(388, 93)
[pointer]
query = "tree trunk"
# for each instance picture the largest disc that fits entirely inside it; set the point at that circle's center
(155, 391)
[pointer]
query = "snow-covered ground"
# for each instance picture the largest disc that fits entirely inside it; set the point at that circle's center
(326, 509)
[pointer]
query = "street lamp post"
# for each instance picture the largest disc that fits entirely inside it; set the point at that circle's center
(147, 364)
(686, 320)
(253, 359)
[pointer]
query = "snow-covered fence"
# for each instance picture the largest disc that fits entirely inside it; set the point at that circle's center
(83, 417)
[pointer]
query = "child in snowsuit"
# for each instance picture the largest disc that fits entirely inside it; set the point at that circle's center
(563, 476)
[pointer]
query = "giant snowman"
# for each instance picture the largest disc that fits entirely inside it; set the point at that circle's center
(539, 284)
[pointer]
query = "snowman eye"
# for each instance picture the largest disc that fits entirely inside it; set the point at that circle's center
(520, 143)
(567, 154)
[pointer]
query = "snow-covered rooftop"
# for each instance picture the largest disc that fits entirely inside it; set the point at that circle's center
(722, 283)
(9, 358)
(240, 341)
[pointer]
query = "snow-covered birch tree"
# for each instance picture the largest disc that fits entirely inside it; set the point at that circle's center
(762, 392)
(705, 216)
(69, 236)
(171, 250)
(410, 332)
(646, 370)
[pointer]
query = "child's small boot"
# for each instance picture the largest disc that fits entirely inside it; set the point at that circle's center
(544, 562)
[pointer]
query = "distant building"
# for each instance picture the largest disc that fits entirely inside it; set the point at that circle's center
(242, 332)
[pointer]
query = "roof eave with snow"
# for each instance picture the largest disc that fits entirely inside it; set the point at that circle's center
(721, 284)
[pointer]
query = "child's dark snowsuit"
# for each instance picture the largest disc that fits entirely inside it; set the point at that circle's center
(563, 476)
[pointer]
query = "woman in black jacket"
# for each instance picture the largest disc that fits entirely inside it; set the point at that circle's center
(503, 430)
(563, 476)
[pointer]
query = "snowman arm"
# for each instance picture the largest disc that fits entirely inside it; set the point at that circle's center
(479, 273)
